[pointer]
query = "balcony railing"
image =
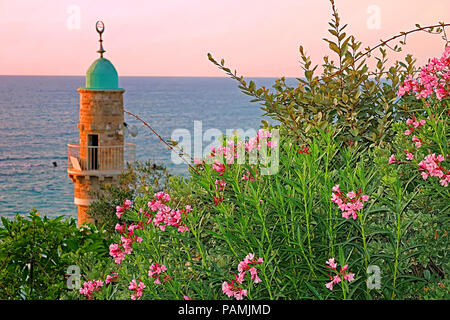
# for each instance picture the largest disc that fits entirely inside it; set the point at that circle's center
(101, 158)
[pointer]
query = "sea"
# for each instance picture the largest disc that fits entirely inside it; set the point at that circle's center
(39, 116)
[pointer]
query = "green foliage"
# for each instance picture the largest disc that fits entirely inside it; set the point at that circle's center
(35, 253)
(289, 221)
(137, 179)
(424, 221)
(361, 104)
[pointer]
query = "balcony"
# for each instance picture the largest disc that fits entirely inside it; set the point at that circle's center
(99, 161)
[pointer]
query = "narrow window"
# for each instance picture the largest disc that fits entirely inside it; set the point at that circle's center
(92, 151)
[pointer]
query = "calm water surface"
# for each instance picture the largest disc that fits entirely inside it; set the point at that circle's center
(39, 116)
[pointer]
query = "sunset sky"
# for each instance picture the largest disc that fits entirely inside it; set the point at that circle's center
(172, 37)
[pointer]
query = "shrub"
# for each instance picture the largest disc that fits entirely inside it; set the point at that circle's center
(35, 253)
(314, 229)
(360, 103)
(139, 178)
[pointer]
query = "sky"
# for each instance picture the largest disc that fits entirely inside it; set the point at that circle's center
(258, 38)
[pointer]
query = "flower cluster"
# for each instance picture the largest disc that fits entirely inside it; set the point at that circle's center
(137, 288)
(349, 204)
(305, 150)
(155, 271)
(433, 79)
(225, 155)
(256, 142)
(231, 150)
(89, 287)
(414, 125)
(120, 210)
(164, 215)
(430, 166)
(248, 265)
(220, 187)
(341, 275)
(110, 277)
(220, 184)
(248, 176)
(219, 167)
(217, 200)
(233, 288)
(119, 250)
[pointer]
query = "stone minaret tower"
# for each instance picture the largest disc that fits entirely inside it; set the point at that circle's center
(98, 158)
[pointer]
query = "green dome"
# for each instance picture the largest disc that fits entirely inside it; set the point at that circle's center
(102, 75)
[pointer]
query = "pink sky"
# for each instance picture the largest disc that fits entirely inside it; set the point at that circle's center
(172, 37)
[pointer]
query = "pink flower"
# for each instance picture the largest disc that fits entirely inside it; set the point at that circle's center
(126, 244)
(227, 288)
(127, 204)
(155, 271)
(116, 252)
(349, 205)
(254, 275)
(329, 285)
(392, 159)
(431, 166)
(217, 200)
(248, 264)
(331, 263)
(305, 150)
(343, 274)
(409, 155)
(335, 189)
(240, 294)
(119, 228)
(89, 287)
(240, 277)
(417, 140)
(349, 277)
(166, 216)
(336, 279)
(119, 211)
(137, 288)
(219, 167)
(110, 278)
(351, 195)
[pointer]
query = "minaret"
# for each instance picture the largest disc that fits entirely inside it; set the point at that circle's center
(98, 158)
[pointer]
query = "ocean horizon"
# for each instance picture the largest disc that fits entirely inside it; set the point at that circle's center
(39, 116)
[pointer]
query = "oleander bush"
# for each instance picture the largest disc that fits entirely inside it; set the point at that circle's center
(138, 178)
(347, 198)
(311, 231)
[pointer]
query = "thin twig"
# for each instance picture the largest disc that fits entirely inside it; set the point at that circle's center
(382, 43)
(160, 138)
